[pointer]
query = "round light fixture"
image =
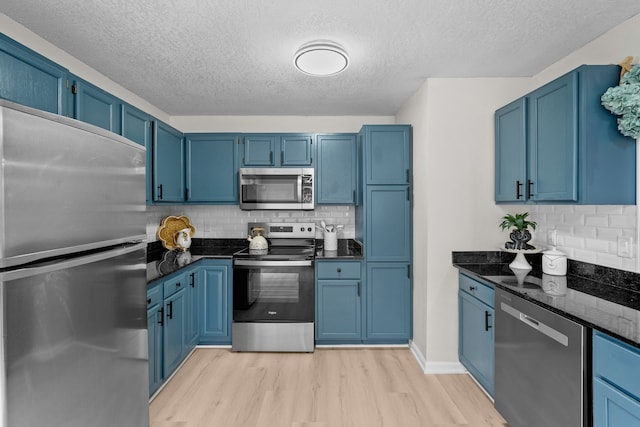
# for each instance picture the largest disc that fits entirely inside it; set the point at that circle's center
(321, 58)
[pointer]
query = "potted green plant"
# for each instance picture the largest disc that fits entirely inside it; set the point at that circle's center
(520, 234)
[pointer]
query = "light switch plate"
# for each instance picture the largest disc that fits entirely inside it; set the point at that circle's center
(625, 246)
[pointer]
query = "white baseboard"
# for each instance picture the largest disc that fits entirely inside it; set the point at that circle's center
(436, 367)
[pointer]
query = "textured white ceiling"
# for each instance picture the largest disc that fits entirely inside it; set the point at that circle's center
(202, 57)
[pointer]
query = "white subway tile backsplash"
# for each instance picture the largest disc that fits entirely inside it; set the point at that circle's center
(224, 222)
(609, 209)
(622, 221)
(597, 220)
(588, 233)
(583, 231)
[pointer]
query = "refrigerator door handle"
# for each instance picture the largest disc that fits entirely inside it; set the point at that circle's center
(48, 267)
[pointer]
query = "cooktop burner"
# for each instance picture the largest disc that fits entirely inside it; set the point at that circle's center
(287, 241)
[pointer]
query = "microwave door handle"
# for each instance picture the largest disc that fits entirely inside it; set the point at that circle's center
(299, 188)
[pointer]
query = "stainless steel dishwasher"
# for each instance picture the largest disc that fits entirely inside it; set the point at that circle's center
(540, 365)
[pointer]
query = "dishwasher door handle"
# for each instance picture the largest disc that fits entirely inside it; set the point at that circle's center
(535, 324)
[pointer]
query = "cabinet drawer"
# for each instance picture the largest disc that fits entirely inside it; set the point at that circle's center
(154, 295)
(173, 285)
(617, 362)
(478, 289)
(338, 270)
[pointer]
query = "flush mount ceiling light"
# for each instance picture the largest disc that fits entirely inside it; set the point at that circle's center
(321, 58)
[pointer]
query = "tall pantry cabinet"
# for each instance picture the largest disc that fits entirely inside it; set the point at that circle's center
(384, 227)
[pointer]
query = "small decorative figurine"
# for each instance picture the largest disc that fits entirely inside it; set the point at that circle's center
(175, 232)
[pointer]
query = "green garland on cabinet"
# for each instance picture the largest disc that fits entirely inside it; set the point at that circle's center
(624, 100)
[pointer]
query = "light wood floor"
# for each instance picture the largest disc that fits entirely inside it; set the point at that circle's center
(328, 388)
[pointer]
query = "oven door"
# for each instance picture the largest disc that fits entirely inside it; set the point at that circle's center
(273, 291)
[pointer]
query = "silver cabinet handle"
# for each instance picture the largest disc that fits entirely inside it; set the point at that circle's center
(535, 324)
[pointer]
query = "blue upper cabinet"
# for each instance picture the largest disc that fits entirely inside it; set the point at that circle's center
(387, 154)
(212, 168)
(259, 150)
(511, 151)
(30, 79)
(277, 150)
(95, 106)
(553, 147)
(574, 152)
(136, 125)
(336, 169)
(168, 164)
(388, 223)
(296, 150)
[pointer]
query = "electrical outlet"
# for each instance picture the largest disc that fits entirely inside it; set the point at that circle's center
(625, 246)
(552, 237)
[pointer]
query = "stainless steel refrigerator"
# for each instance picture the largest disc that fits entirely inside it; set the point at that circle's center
(72, 274)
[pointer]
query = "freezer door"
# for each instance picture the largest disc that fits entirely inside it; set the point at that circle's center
(75, 342)
(65, 186)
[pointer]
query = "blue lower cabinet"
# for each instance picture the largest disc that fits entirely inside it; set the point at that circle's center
(616, 382)
(476, 332)
(613, 408)
(338, 310)
(339, 296)
(154, 328)
(174, 330)
(217, 304)
(388, 302)
(194, 286)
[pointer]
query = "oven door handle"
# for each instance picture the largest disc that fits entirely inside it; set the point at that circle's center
(262, 263)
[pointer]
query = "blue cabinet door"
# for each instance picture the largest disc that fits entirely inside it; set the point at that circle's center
(136, 126)
(296, 150)
(511, 152)
(259, 150)
(95, 106)
(553, 140)
(212, 168)
(388, 302)
(476, 338)
(30, 79)
(154, 330)
(194, 301)
(338, 310)
(388, 223)
(216, 303)
(336, 170)
(613, 408)
(387, 154)
(174, 330)
(168, 164)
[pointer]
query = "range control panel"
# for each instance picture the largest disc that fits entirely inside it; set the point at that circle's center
(285, 230)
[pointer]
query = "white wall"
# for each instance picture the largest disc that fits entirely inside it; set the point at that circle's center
(453, 161)
(454, 183)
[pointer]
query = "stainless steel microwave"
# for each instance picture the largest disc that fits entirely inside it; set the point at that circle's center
(276, 188)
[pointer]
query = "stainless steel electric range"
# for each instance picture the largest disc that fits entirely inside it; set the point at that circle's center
(273, 291)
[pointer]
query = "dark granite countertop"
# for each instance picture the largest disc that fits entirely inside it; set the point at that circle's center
(347, 248)
(162, 262)
(598, 297)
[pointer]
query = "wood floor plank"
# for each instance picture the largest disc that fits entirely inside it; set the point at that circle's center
(372, 387)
